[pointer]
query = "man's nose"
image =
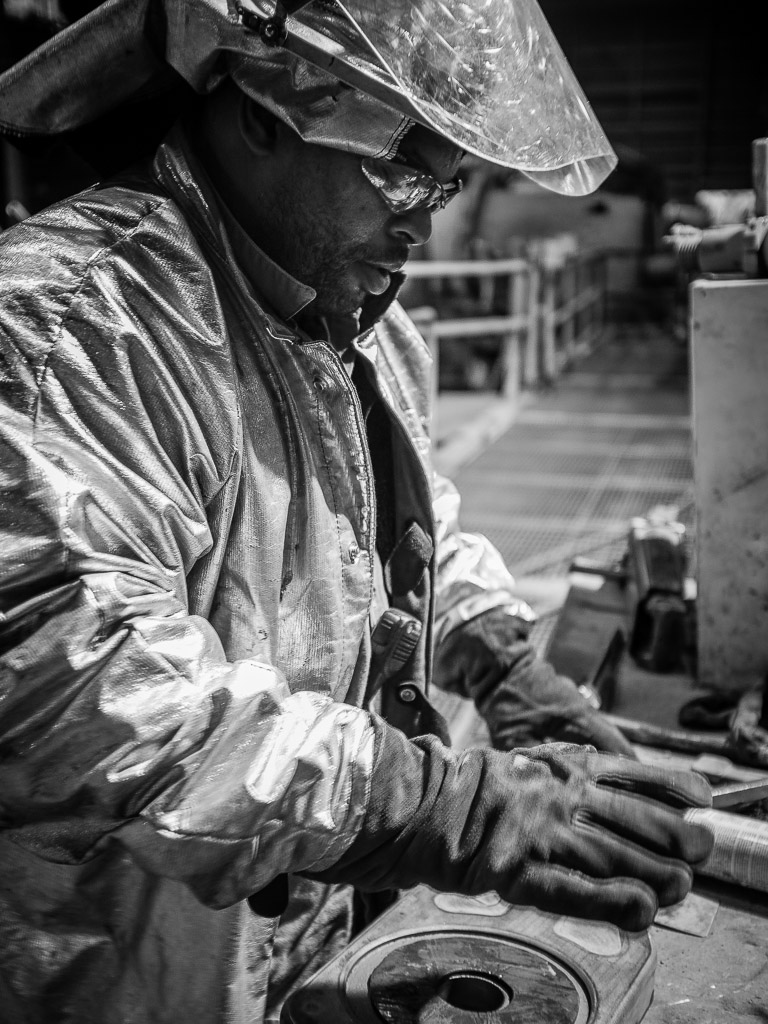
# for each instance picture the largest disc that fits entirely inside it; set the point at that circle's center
(414, 226)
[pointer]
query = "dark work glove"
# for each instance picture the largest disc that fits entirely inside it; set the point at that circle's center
(559, 827)
(521, 697)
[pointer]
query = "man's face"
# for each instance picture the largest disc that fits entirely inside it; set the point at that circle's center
(332, 230)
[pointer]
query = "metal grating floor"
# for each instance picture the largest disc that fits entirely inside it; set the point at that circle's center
(656, 403)
(560, 437)
(577, 503)
(543, 459)
(608, 443)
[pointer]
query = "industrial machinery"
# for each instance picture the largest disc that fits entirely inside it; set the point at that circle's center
(730, 248)
(436, 958)
(729, 376)
(729, 379)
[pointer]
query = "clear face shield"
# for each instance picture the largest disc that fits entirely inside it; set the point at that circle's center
(487, 74)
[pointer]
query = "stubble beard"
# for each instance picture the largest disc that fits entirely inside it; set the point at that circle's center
(314, 255)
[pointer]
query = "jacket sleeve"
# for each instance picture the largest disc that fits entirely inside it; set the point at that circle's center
(471, 575)
(122, 720)
(482, 650)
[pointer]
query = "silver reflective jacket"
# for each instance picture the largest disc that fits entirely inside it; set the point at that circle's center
(185, 580)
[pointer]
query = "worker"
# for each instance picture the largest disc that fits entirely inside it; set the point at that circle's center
(217, 479)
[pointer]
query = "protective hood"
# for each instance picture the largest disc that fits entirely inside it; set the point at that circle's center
(486, 74)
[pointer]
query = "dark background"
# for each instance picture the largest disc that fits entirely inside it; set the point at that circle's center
(682, 82)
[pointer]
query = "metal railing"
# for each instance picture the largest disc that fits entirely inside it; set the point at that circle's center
(517, 325)
(572, 307)
(547, 315)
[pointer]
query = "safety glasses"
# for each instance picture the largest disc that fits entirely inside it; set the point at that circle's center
(404, 189)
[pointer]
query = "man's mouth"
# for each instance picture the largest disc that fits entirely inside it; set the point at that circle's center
(390, 266)
(376, 277)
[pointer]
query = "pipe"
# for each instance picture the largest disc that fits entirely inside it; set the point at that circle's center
(740, 853)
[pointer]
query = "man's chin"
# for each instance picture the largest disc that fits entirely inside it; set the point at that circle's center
(341, 303)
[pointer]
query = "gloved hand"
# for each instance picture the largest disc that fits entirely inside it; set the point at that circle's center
(521, 697)
(548, 707)
(559, 827)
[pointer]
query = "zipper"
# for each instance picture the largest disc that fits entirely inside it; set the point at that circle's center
(346, 382)
(402, 428)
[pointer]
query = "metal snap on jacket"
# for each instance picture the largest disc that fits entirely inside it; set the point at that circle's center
(353, 551)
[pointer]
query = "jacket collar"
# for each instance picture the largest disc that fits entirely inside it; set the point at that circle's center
(286, 296)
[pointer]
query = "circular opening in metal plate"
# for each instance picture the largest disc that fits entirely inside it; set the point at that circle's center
(473, 991)
(414, 976)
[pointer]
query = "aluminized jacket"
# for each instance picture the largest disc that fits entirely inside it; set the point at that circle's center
(186, 574)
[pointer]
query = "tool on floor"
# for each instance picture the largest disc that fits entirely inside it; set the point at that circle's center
(710, 711)
(745, 742)
(655, 593)
(714, 766)
(680, 740)
(743, 715)
(651, 581)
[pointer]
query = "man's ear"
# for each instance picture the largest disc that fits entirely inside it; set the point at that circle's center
(257, 126)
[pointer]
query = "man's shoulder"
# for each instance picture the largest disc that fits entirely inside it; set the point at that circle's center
(69, 236)
(106, 269)
(122, 246)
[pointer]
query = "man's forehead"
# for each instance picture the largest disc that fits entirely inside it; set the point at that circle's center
(426, 150)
